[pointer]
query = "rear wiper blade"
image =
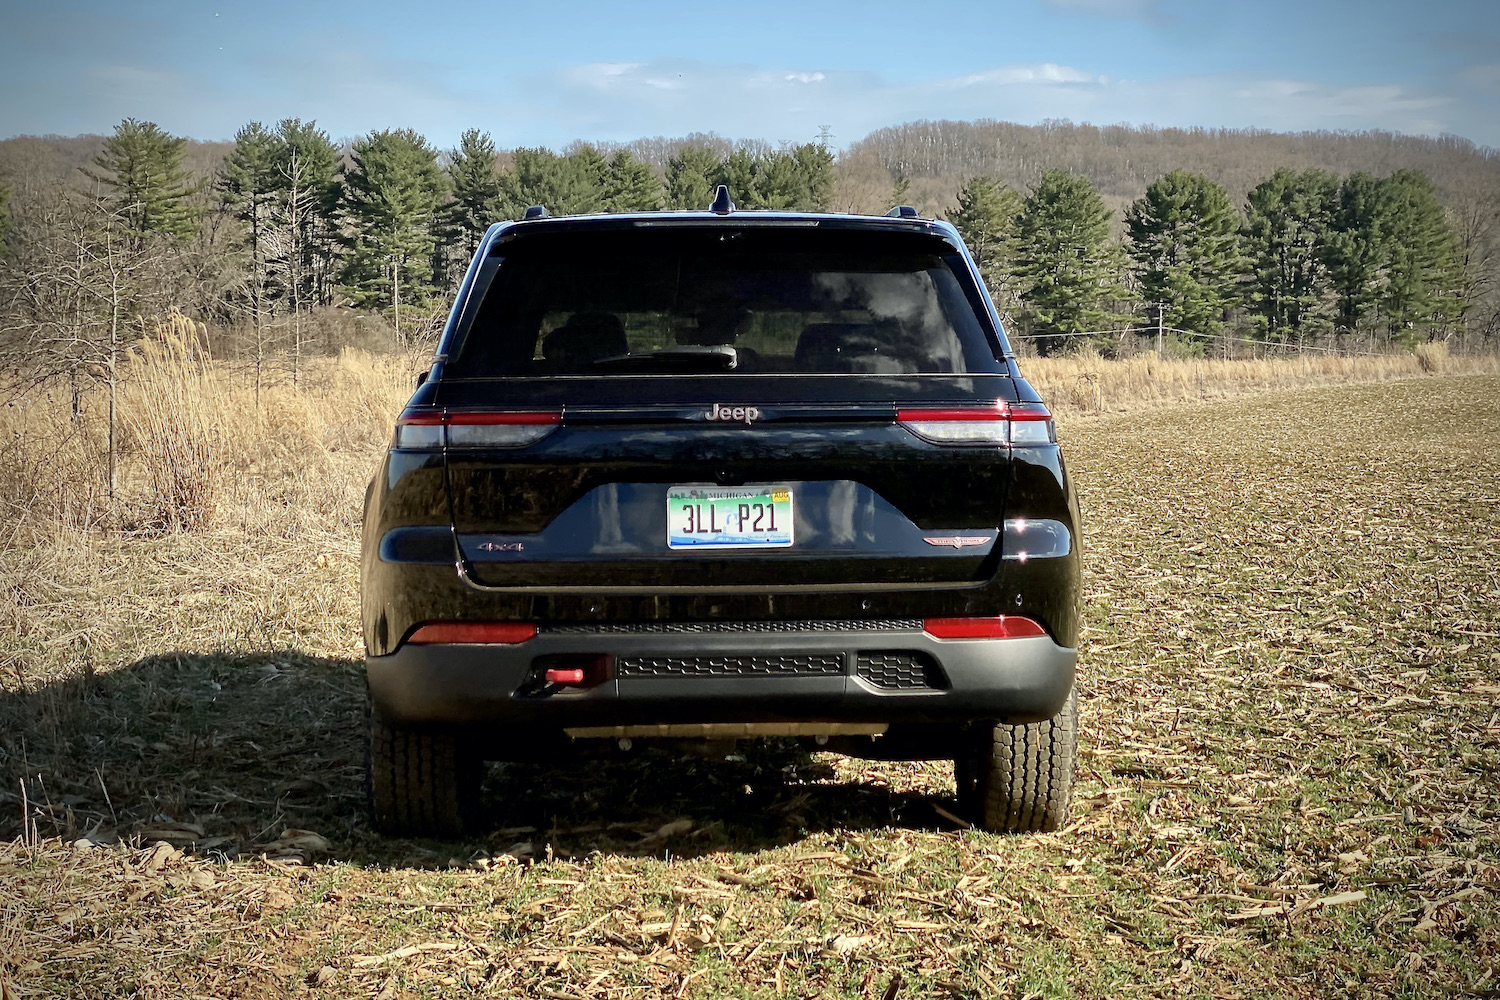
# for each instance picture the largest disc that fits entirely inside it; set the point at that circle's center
(686, 358)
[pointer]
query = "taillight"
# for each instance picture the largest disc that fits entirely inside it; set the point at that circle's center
(501, 430)
(1015, 424)
(419, 431)
(999, 627)
(480, 633)
(475, 429)
(1031, 423)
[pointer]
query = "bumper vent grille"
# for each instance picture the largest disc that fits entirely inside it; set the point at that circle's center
(793, 665)
(676, 628)
(900, 670)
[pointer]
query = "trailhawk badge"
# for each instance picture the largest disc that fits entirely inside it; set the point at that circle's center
(957, 541)
(739, 414)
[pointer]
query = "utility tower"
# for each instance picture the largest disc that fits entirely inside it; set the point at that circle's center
(823, 136)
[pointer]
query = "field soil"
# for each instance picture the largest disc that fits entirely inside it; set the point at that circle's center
(1289, 776)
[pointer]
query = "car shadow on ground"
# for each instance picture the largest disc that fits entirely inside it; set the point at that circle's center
(225, 752)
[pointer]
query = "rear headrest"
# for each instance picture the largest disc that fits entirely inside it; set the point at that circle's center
(585, 337)
(842, 347)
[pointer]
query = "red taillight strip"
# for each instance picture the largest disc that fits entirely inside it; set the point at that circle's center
(486, 633)
(511, 417)
(998, 424)
(996, 412)
(475, 417)
(999, 627)
(1029, 411)
(999, 411)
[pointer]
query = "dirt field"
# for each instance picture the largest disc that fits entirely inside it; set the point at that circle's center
(1289, 775)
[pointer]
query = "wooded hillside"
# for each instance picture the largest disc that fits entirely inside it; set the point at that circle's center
(288, 243)
(938, 157)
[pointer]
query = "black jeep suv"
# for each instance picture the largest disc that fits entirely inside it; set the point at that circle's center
(685, 479)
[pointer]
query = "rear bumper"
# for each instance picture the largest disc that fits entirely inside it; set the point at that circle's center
(1017, 680)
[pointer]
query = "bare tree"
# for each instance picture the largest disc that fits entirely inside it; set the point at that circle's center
(77, 285)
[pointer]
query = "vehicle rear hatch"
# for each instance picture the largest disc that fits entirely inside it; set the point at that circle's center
(758, 409)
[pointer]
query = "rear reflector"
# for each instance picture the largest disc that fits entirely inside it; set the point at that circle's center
(997, 424)
(489, 633)
(999, 627)
(475, 429)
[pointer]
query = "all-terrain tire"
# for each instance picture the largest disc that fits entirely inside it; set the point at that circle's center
(1020, 778)
(420, 783)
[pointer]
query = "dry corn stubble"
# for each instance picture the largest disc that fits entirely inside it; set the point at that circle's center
(1290, 672)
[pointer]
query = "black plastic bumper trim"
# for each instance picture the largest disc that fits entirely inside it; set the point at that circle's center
(1018, 680)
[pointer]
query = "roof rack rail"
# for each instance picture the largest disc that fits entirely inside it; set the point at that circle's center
(534, 212)
(722, 204)
(902, 212)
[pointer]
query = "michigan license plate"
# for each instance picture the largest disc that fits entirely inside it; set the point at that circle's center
(746, 517)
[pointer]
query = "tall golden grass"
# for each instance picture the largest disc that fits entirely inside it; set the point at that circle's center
(193, 435)
(175, 416)
(1089, 383)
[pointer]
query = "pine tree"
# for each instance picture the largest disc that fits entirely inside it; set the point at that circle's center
(312, 193)
(582, 181)
(692, 175)
(986, 219)
(1070, 270)
(249, 183)
(566, 185)
(631, 186)
(1288, 219)
(814, 165)
(393, 189)
(1184, 237)
(1423, 270)
(1357, 248)
(778, 184)
(141, 165)
(742, 173)
(900, 189)
(475, 204)
(532, 180)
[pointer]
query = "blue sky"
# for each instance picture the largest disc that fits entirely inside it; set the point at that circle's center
(547, 73)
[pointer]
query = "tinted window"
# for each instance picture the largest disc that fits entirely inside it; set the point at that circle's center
(737, 302)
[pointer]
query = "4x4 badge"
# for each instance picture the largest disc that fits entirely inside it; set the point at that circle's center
(502, 546)
(957, 541)
(745, 414)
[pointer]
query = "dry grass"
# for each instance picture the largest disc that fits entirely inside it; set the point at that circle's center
(1088, 383)
(1288, 775)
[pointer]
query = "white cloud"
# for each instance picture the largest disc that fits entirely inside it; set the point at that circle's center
(1027, 73)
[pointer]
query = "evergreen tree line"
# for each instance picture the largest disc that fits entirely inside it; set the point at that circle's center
(289, 223)
(1312, 257)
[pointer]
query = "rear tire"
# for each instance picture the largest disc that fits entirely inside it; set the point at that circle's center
(423, 784)
(1020, 778)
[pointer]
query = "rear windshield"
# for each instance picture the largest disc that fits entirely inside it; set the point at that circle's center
(737, 302)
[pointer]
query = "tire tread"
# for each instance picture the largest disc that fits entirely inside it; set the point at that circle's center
(419, 783)
(1020, 780)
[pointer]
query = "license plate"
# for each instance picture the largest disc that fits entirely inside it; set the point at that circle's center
(746, 517)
